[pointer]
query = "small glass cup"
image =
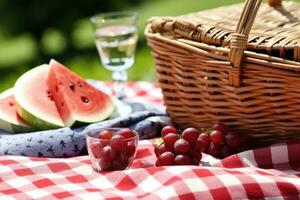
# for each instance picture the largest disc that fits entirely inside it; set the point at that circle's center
(111, 154)
(116, 36)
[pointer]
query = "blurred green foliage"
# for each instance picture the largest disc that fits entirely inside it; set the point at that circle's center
(32, 32)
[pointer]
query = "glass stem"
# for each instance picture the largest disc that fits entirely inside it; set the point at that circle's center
(120, 79)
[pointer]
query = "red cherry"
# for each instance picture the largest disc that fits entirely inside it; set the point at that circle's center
(108, 154)
(220, 127)
(182, 160)
(190, 135)
(214, 149)
(96, 149)
(126, 133)
(118, 143)
(169, 140)
(217, 137)
(105, 135)
(181, 146)
(168, 129)
(166, 158)
(232, 140)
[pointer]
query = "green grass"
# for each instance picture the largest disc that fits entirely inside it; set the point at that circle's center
(19, 50)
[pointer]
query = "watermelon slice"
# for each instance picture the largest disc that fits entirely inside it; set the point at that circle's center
(10, 121)
(35, 103)
(77, 101)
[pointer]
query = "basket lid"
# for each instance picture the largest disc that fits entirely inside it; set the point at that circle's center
(276, 30)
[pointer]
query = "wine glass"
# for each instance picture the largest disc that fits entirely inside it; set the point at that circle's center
(116, 36)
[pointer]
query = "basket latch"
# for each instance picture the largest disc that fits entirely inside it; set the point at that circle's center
(238, 43)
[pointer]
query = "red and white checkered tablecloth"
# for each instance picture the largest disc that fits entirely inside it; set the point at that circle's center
(266, 173)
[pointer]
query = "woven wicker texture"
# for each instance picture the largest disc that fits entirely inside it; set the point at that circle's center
(211, 70)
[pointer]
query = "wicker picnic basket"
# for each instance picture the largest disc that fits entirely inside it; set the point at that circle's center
(234, 64)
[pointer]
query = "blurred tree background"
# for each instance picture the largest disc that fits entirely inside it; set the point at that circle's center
(32, 32)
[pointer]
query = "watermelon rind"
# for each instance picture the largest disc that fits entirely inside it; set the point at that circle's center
(36, 122)
(7, 122)
(33, 114)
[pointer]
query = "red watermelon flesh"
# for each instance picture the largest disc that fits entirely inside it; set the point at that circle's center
(75, 99)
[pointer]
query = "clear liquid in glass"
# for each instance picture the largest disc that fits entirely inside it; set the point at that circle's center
(116, 46)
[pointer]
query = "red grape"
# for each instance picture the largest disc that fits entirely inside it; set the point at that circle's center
(225, 151)
(121, 161)
(195, 156)
(203, 141)
(182, 160)
(126, 133)
(195, 152)
(119, 165)
(157, 163)
(190, 135)
(214, 149)
(232, 140)
(169, 140)
(205, 137)
(217, 137)
(118, 143)
(161, 149)
(105, 135)
(131, 147)
(108, 154)
(168, 129)
(105, 165)
(96, 149)
(181, 146)
(195, 161)
(166, 158)
(220, 127)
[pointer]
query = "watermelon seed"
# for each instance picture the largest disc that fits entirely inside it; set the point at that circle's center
(56, 88)
(80, 84)
(49, 95)
(62, 104)
(84, 99)
(11, 103)
(72, 87)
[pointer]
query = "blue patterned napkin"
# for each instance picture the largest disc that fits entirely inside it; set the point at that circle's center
(65, 142)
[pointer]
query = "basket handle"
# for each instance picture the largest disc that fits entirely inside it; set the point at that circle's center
(239, 39)
(275, 3)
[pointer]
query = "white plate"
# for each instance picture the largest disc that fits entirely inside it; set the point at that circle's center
(122, 108)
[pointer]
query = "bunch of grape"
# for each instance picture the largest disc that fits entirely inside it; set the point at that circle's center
(178, 149)
(187, 148)
(220, 142)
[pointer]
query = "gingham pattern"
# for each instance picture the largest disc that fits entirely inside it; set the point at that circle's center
(266, 173)
(142, 91)
(237, 177)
